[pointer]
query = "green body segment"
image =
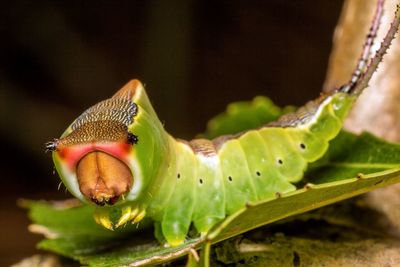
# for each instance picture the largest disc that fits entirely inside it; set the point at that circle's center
(161, 190)
(210, 193)
(193, 187)
(154, 146)
(175, 221)
(239, 189)
(285, 154)
(262, 168)
(310, 146)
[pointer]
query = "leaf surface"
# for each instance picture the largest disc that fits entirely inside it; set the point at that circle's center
(244, 115)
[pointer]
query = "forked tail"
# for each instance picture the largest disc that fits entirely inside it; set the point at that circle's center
(366, 66)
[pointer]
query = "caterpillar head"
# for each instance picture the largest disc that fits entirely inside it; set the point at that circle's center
(99, 157)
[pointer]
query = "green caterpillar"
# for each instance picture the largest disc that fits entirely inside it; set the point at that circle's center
(118, 156)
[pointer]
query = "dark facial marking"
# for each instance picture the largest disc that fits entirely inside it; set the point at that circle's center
(105, 121)
(132, 139)
(118, 110)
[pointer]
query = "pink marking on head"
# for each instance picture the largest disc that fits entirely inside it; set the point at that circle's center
(72, 154)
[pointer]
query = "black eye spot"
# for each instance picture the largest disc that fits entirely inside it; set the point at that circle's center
(132, 139)
(302, 146)
(178, 175)
(230, 178)
(258, 173)
(280, 161)
(201, 181)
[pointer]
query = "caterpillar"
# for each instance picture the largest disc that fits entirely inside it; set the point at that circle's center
(118, 155)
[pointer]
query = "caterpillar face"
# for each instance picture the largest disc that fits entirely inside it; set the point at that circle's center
(95, 157)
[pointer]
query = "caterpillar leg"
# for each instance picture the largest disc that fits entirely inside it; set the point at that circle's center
(177, 214)
(132, 214)
(175, 231)
(102, 217)
(205, 224)
(127, 214)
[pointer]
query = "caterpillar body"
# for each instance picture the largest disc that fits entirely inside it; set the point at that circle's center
(118, 156)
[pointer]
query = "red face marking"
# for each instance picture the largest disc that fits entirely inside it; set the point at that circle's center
(72, 154)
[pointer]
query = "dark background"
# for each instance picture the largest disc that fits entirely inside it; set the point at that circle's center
(59, 57)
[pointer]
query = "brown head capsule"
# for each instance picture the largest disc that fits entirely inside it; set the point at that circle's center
(102, 178)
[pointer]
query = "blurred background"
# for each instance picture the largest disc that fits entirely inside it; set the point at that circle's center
(57, 58)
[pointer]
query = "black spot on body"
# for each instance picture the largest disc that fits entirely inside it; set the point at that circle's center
(302, 146)
(230, 178)
(178, 175)
(201, 181)
(280, 161)
(258, 173)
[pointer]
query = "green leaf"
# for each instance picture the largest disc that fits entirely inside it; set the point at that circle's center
(299, 201)
(350, 155)
(72, 232)
(244, 115)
